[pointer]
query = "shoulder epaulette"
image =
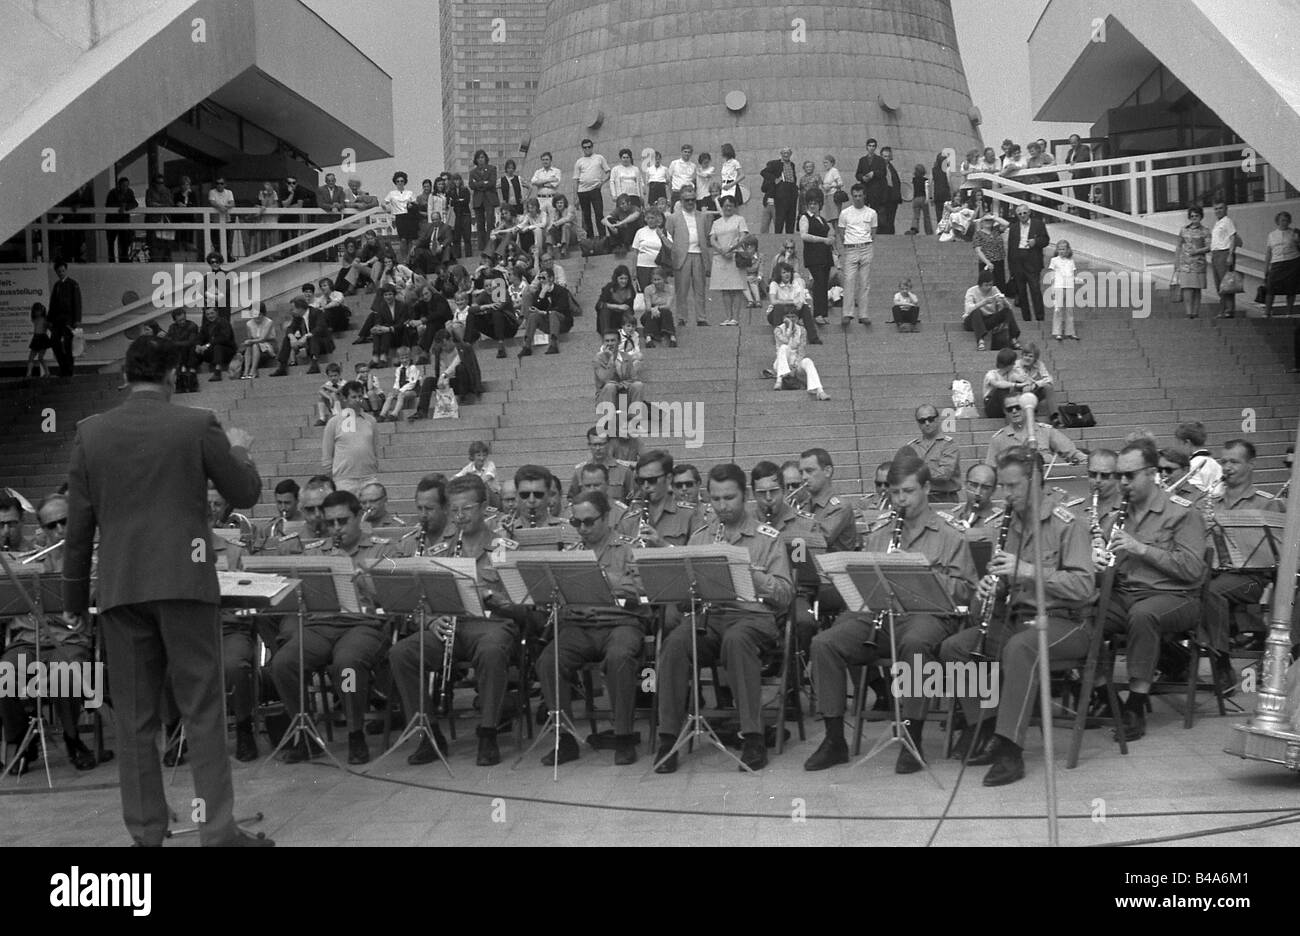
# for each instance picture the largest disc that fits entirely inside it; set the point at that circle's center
(571, 547)
(805, 514)
(1180, 501)
(619, 503)
(1266, 495)
(948, 438)
(833, 502)
(768, 530)
(315, 544)
(504, 541)
(438, 548)
(686, 505)
(1063, 515)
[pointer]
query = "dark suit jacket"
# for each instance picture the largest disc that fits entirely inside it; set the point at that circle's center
(771, 175)
(878, 183)
(140, 474)
(894, 186)
(1028, 262)
(483, 187)
(65, 303)
(325, 200)
(512, 192)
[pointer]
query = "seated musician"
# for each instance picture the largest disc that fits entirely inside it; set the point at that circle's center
(770, 507)
(653, 517)
(533, 507)
(311, 504)
(287, 511)
(1016, 432)
(851, 640)
(1174, 470)
(431, 503)
(374, 509)
(1159, 567)
(977, 515)
(735, 632)
(613, 635)
(595, 477)
(238, 643)
(833, 515)
(486, 643)
(1069, 583)
(1234, 587)
(348, 643)
(601, 451)
(230, 519)
(58, 644)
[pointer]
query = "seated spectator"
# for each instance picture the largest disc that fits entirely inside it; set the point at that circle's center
(338, 317)
(1000, 382)
(435, 314)
(531, 229)
(1032, 373)
(407, 378)
(481, 465)
(615, 301)
(491, 312)
(787, 254)
(216, 343)
(788, 293)
(259, 346)
(550, 306)
(504, 236)
(372, 399)
(987, 311)
(617, 373)
(392, 272)
(907, 307)
(440, 240)
(360, 264)
(381, 325)
(562, 222)
(647, 243)
(295, 338)
(791, 364)
(329, 402)
(621, 225)
(185, 335)
(657, 319)
(453, 364)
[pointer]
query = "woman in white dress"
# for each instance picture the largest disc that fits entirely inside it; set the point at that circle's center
(398, 203)
(726, 277)
(832, 184)
(731, 174)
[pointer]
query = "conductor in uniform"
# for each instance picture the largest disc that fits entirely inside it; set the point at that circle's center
(158, 598)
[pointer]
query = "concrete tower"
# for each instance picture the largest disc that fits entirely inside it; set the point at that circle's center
(818, 75)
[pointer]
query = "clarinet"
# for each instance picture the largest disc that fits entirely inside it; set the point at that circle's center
(986, 609)
(896, 538)
(448, 656)
(639, 542)
(1119, 525)
(532, 517)
(1100, 555)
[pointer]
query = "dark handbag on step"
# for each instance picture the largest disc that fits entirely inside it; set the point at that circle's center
(1075, 416)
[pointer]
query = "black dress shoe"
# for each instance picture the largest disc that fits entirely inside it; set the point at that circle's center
(245, 743)
(625, 750)
(569, 751)
(828, 754)
(1134, 726)
(970, 740)
(358, 750)
(425, 753)
(489, 755)
(986, 757)
(1008, 768)
(526, 351)
(666, 763)
(81, 756)
(753, 754)
(30, 757)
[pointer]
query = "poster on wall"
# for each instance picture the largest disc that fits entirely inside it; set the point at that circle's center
(21, 284)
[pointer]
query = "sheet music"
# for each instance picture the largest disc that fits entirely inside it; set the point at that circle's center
(836, 566)
(339, 568)
(577, 574)
(736, 557)
(463, 572)
(256, 588)
(1245, 539)
(553, 537)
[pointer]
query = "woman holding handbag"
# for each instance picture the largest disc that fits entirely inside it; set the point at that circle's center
(1189, 262)
(653, 248)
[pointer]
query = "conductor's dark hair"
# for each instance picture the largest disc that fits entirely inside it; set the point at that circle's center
(595, 499)
(343, 499)
(468, 483)
(149, 358)
(728, 472)
(905, 466)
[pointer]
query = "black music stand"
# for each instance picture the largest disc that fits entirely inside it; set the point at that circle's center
(899, 583)
(574, 579)
(1247, 540)
(45, 596)
(415, 586)
(668, 579)
(316, 593)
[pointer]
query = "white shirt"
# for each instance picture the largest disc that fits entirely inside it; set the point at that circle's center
(590, 172)
(1222, 234)
(625, 180)
(857, 224)
(1063, 271)
(1024, 235)
(656, 174)
(546, 182)
(692, 232)
(1206, 474)
(682, 173)
(647, 244)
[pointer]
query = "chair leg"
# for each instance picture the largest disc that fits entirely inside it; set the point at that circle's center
(949, 718)
(589, 697)
(327, 714)
(1193, 676)
(859, 709)
(1117, 719)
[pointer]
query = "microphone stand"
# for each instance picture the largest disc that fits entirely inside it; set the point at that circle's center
(1028, 402)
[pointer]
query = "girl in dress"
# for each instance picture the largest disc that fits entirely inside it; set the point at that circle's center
(1061, 269)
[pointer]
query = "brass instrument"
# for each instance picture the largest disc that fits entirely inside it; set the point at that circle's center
(990, 602)
(1120, 520)
(796, 494)
(448, 653)
(970, 518)
(1173, 488)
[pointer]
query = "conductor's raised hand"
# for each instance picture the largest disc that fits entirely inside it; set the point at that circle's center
(239, 438)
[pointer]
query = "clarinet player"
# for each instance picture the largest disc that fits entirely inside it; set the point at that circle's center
(1069, 583)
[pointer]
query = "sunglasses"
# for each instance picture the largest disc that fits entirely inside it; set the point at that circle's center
(1101, 475)
(653, 479)
(53, 524)
(1011, 409)
(880, 485)
(1129, 475)
(532, 495)
(587, 524)
(1165, 470)
(685, 485)
(926, 419)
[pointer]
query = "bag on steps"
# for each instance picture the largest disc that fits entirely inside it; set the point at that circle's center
(1075, 416)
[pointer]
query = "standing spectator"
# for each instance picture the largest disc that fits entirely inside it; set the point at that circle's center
(731, 174)
(656, 177)
(893, 192)
(725, 237)
(459, 198)
(268, 200)
(40, 342)
(833, 194)
(159, 195)
(985, 310)
(873, 175)
(483, 195)
(818, 255)
(259, 346)
(349, 452)
(563, 219)
(216, 343)
(123, 199)
(64, 316)
(1062, 270)
(856, 232)
(545, 183)
(657, 320)
(1025, 242)
(681, 173)
(332, 197)
(1079, 152)
(1281, 264)
(969, 193)
(920, 204)
(1189, 260)
(590, 172)
(1224, 241)
(647, 243)
(808, 180)
(990, 250)
(186, 197)
(626, 179)
(512, 187)
(780, 184)
(688, 232)
(399, 203)
(439, 203)
(293, 195)
(941, 189)
(705, 174)
(222, 199)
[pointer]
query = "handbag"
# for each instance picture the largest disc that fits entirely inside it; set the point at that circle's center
(445, 405)
(1075, 416)
(743, 259)
(1261, 294)
(841, 197)
(665, 256)
(1231, 284)
(1175, 291)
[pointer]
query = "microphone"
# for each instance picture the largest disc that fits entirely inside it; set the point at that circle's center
(1029, 402)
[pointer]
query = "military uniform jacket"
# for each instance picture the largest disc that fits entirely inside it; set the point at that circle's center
(419, 543)
(615, 555)
(1049, 439)
(835, 517)
(983, 525)
(1176, 532)
(794, 526)
(22, 628)
(1246, 499)
(947, 550)
(389, 520)
(621, 485)
(277, 528)
(672, 520)
(943, 456)
(369, 551)
(767, 560)
(1069, 578)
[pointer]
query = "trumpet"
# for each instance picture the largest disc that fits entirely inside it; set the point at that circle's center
(448, 653)
(796, 494)
(990, 602)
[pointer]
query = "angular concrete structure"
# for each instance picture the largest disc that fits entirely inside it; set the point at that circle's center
(818, 75)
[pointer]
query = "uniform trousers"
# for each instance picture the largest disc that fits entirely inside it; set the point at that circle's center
(67, 707)
(1145, 615)
(1225, 590)
(737, 639)
(618, 645)
(237, 654)
(143, 643)
(843, 645)
(486, 643)
(348, 651)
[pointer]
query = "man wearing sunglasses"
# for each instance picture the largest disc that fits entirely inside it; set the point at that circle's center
(1103, 481)
(533, 500)
(487, 643)
(941, 454)
(349, 644)
(311, 504)
(1016, 433)
(977, 516)
(590, 633)
(670, 521)
(1159, 566)
(59, 645)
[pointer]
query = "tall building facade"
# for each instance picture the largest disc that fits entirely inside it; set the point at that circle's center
(818, 75)
(490, 60)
